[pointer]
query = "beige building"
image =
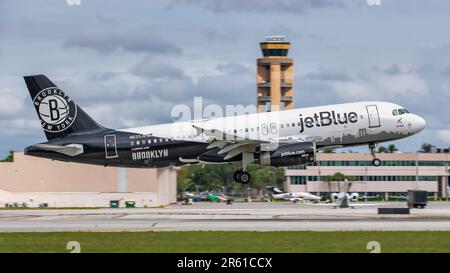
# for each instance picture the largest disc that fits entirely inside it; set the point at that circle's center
(398, 173)
(275, 76)
(34, 181)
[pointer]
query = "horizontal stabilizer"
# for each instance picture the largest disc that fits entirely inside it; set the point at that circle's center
(70, 149)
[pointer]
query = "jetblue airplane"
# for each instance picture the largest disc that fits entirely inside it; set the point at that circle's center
(279, 138)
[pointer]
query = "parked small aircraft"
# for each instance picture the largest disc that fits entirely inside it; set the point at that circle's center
(292, 196)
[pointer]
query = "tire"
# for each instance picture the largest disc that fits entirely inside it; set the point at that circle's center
(236, 176)
(244, 177)
(376, 162)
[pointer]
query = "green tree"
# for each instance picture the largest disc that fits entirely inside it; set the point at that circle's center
(383, 149)
(220, 176)
(392, 149)
(9, 157)
(426, 147)
(265, 176)
(338, 177)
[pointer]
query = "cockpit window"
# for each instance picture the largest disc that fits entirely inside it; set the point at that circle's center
(399, 112)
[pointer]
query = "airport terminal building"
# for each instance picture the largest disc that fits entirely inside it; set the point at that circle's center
(32, 181)
(398, 173)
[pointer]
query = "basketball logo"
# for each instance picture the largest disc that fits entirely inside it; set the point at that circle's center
(56, 110)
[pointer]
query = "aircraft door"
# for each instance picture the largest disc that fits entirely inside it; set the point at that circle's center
(110, 146)
(373, 115)
(273, 129)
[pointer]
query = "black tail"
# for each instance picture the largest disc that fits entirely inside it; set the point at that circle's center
(58, 113)
(274, 190)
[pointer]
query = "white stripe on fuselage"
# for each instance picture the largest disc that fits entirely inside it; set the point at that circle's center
(313, 123)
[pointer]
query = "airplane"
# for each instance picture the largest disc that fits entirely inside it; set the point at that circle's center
(346, 200)
(294, 196)
(277, 138)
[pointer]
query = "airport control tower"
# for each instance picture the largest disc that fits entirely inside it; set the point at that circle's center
(275, 75)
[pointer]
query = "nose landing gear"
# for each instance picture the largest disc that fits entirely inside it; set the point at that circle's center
(242, 176)
(375, 161)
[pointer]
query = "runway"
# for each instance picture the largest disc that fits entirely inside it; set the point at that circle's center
(238, 216)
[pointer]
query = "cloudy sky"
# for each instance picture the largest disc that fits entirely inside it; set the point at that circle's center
(127, 63)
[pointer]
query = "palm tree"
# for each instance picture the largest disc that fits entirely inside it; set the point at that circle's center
(391, 148)
(338, 177)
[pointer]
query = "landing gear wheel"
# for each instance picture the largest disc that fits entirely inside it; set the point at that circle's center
(376, 162)
(241, 176)
(235, 176)
(245, 177)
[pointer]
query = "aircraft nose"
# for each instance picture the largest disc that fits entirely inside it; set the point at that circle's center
(418, 123)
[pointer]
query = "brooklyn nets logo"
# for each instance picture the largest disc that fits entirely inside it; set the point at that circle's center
(56, 110)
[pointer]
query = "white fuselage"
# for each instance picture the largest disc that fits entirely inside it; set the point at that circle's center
(331, 126)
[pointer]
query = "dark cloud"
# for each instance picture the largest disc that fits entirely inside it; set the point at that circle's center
(150, 89)
(148, 68)
(261, 6)
(328, 75)
(107, 36)
(101, 76)
(394, 69)
(235, 69)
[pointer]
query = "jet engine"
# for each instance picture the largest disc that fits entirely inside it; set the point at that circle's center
(289, 154)
(334, 196)
(354, 197)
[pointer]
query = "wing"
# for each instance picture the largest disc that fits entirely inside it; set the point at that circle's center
(234, 144)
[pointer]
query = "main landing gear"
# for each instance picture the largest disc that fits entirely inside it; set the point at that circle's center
(375, 161)
(242, 176)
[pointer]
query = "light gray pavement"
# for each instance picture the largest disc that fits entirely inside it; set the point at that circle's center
(238, 216)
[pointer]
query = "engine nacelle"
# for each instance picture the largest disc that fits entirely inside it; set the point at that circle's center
(334, 196)
(354, 197)
(289, 154)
